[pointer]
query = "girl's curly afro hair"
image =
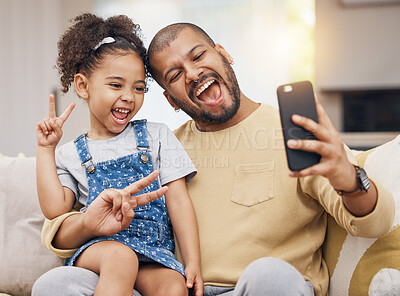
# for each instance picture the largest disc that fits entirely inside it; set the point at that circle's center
(76, 47)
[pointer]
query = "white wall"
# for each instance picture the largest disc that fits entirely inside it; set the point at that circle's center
(29, 33)
(27, 53)
(357, 47)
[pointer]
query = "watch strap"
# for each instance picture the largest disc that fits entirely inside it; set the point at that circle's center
(361, 186)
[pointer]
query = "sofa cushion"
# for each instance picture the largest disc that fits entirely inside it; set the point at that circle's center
(22, 257)
(361, 266)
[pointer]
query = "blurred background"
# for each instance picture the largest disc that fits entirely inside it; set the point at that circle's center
(349, 49)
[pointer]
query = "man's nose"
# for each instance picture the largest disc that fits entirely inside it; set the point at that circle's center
(192, 74)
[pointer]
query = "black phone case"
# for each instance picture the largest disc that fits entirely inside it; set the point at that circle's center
(297, 98)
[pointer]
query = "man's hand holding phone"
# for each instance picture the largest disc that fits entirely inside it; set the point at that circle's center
(328, 145)
(328, 157)
(297, 98)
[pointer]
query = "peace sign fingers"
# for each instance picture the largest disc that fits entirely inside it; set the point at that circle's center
(67, 112)
(136, 187)
(49, 130)
(52, 111)
(52, 107)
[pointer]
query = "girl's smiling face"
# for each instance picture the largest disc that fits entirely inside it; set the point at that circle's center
(115, 93)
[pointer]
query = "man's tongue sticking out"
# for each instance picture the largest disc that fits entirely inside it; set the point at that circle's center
(211, 95)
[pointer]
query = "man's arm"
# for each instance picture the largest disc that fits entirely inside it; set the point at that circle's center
(367, 214)
(334, 163)
(376, 224)
(49, 231)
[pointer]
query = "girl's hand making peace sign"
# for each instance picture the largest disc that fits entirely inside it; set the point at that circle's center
(49, 130)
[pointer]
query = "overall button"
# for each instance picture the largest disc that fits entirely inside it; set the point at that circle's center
(144, 158)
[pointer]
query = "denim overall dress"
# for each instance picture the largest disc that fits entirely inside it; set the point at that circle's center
(150, 232)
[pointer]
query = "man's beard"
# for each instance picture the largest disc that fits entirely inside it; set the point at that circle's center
(208, 117)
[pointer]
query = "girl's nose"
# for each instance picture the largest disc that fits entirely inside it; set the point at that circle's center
(128, 96)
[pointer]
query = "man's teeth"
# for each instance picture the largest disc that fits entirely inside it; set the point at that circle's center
(204, 87)
(122, 111)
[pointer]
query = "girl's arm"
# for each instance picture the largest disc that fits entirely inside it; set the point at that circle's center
(54, 199)
(183, 218)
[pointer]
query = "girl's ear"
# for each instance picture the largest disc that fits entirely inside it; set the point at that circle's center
(81, 86)
(166, 94)
(218, 47)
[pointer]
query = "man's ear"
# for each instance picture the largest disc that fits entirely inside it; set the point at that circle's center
(218, 47)
(166, 94)
(81, 86)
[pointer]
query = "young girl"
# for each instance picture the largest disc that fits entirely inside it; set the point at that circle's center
(105, 59)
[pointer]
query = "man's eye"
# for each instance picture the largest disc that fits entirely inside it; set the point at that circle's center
(198, 56)
(175, 77)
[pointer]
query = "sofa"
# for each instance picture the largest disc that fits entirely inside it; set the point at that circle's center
(22, 257)
(357, 266)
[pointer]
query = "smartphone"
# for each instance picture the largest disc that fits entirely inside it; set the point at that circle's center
(297, 98)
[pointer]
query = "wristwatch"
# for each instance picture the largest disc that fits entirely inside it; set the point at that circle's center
(362, 180)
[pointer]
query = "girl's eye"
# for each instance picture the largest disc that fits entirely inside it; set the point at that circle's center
(116, 85)
(140, 89)
(198, 56)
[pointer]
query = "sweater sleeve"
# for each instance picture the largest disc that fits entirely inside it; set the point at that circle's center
(376, 224)
(49, 231)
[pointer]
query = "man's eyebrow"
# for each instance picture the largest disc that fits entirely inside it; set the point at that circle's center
(188, 54)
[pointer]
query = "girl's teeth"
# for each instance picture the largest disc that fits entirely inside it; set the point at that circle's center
(122, 111)
(204, 87)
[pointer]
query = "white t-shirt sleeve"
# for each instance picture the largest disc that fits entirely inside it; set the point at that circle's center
(174, 161)
(63, 156)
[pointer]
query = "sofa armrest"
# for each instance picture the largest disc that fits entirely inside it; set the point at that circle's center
(22, 257)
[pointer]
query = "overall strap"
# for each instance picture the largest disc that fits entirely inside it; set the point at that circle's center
(84, 154)
(142, 143)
